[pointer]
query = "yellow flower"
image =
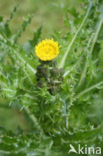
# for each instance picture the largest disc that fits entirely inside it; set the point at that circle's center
(47, 50)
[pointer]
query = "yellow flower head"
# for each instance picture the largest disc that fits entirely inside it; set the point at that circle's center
(47, 50)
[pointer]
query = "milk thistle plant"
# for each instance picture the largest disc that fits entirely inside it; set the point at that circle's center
(59, 87)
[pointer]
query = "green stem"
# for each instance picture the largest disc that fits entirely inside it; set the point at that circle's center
(78, 61)
(89, 89)
(24, 62)
(20, 58)
(33, 119)
(62, 63)
(96, 35)
(91, 50)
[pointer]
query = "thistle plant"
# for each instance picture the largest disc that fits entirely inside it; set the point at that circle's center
(48, 75)
(58, 83)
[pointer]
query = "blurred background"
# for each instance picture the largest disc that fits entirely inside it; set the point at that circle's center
(48, 13)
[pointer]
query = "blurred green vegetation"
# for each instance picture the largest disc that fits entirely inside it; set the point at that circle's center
(49, 14)
(12, 119)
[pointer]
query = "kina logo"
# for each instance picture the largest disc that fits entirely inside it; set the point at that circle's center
(85, 150)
